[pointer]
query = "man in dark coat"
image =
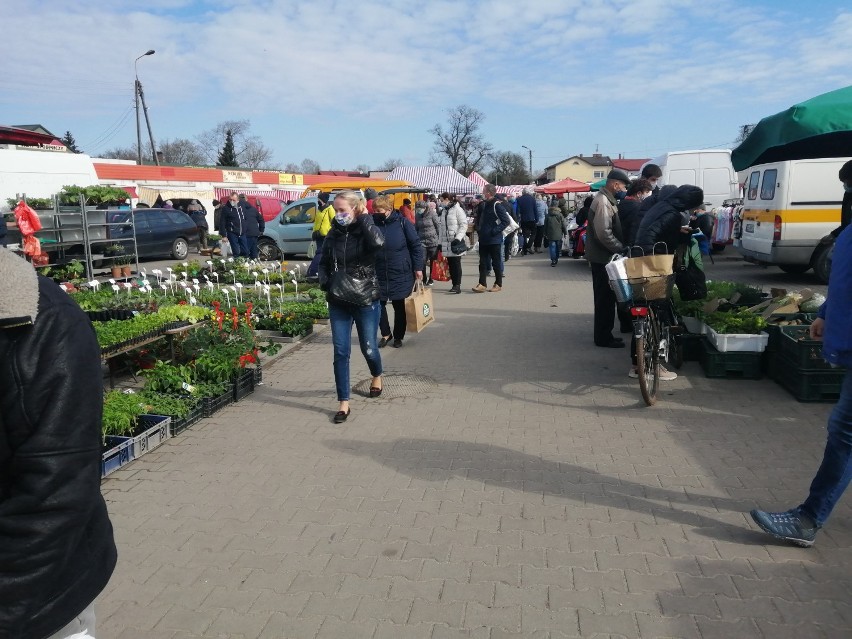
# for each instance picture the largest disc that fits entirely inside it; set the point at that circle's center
(667, 222)
(526, 211)
(254, 226)
(56, 543)
(234, 225)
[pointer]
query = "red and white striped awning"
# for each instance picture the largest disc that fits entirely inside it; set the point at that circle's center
(287, 195)
(513, 189)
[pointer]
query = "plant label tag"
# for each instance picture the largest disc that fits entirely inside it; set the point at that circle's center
(116, 288)
(187, 387)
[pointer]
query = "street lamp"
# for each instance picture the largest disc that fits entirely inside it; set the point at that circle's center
(137, 92)
(530, 150)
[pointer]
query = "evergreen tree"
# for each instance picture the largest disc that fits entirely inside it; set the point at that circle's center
(70, 143)
(228, 155)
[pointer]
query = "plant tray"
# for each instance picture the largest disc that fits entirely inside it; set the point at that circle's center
(118, 451)
(806, 385)
(180, 424)
(796, 346)
(694, 325)
(730, 365)
(774, 329)
(155, 433)
(212, 405)
(258, 375)
(244, 385)
(725, 343)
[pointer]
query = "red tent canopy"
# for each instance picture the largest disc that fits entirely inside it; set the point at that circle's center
(564, 186)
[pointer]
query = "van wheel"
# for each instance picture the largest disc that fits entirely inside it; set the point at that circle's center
(822, 263)
(180, 249)
(795, 269)
(267, 250)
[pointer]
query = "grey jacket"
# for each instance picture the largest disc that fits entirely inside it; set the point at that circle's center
(604, 236)
(429, 229)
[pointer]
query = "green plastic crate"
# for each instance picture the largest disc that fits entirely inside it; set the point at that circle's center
(795, 345)
(732, 364)
(691, 345)
(808, 385)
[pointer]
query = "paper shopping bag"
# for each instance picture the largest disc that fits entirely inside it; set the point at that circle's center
(419, 312)
(642, 268)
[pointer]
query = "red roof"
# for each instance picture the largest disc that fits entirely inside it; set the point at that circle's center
(24, 137)
(631, 166)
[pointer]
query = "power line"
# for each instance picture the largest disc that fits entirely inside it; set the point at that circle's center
(111, 131)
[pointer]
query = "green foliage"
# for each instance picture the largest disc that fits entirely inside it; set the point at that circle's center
(738, 321)
(168, 405)
(36, 203)
(120, 413)
(228, 154)
(115, 332)
(168, 378)
(749, 295)
(97, 194)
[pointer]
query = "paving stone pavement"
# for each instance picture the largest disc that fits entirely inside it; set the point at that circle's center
(526, 493)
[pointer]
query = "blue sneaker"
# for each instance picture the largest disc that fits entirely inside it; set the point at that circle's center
(790, 526)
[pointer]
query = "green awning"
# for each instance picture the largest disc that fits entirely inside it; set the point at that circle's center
(817, 128)
(597, 186)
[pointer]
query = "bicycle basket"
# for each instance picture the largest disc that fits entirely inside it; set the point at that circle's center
(658, 287)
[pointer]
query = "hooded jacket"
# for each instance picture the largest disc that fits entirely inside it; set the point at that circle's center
(401, 254)
(233, 219)
(553, 224)
(837, 337)
(56, 543)
(453, 227)
(428, 228)
(663, 221)
(631, 212)
(352, 248)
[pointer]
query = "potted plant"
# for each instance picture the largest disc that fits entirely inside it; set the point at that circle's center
(116, 252)
(124, 261)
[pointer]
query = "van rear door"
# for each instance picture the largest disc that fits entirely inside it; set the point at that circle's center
(761, 226)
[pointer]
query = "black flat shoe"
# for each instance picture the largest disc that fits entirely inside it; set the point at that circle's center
(384, 342)
(341, 417)
(397, 343)
(375, 391)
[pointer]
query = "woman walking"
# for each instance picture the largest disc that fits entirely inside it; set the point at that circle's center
(429, 230)
(553, 233)
(347, 273)
(397, 264)
(453, 230)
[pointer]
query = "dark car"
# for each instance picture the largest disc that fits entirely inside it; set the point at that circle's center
(158, 232)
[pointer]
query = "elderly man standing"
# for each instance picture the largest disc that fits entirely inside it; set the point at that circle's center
(603, 240)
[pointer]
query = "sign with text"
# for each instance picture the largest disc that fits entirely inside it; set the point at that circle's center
(290, 178)
(242, 177)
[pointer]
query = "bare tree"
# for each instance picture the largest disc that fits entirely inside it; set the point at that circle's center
(121, 153)
(744, 131)
(292, 167)
(508, 168)
(249, 149)
(461, 143)
(390, 164)
(181, 152)
(309, 167)
(363, 168)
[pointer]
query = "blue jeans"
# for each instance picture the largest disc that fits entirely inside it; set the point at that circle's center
(366, 320)
(834, 473)
(251, 246)
(239, 248)
(555, 247)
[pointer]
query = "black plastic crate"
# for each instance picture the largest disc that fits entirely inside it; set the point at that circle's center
(213, 405)
(180, 424)
(690, 344)
(808, 385)
(731, 364)
(244, 385)
(796, 345)
(258, 375)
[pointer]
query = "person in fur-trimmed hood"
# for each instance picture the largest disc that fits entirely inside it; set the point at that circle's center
(56, 542)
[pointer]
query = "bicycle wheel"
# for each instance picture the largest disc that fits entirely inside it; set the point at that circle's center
(648, 358)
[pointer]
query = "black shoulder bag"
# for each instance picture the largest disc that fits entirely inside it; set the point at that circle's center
(690, 278)
(356, 289)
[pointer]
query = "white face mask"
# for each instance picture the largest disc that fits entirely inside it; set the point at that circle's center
(343, 218)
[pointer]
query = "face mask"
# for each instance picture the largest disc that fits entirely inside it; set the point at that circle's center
(847, 188)
(343, 219)
(620, 195)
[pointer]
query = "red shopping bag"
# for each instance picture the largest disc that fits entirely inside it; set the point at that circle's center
(440, 268)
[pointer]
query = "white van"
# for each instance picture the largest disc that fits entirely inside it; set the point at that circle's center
(787, 209)
(710, 169)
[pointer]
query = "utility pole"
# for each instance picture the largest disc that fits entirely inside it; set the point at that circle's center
(138, 94)
(530, 150)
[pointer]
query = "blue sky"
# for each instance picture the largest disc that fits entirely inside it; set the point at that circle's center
(356, 82)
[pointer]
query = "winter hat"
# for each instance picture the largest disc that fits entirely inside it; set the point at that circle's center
(323, 197)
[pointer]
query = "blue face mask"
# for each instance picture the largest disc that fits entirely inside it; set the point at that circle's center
(343, 219)
(620, 195)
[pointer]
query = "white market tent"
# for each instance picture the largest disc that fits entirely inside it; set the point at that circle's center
(438, 178)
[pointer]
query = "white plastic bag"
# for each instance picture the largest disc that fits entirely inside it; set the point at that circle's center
(617, 274)
(225, 248)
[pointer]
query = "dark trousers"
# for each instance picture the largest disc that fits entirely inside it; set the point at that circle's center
(202, 237)
(604, 305)
(507, 245)
(455, 269)
(239, 247)
(398, 319)
(539, 236)
(491, 255)
(430, 254)
(528, 229)
(251, 246)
